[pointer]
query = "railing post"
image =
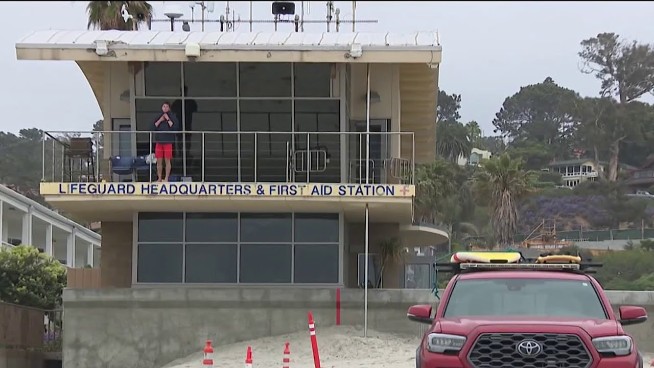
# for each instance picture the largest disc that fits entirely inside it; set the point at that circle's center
(413, 158)
(54, 161)
(150, 152)
(98, 143)
(203, 154)
(308, 157)
(256, 150)
(42, 158)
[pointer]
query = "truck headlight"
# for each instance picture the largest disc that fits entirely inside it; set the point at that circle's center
(617, 345)
(441, 343)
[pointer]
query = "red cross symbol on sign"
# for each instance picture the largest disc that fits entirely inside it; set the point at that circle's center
(404, 190)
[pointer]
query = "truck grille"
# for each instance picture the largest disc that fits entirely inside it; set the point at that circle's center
(501, 350)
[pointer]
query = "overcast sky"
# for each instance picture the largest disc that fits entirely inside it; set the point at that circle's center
(490, 49)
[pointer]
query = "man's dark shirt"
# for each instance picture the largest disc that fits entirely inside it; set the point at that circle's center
(161, 134)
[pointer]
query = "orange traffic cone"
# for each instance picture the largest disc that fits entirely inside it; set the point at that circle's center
(248, 358)
(208, 355)
(287, 356)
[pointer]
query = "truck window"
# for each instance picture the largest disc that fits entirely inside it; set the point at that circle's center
(524, 297)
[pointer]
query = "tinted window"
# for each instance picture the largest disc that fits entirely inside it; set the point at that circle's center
(262, 227)
(159, 263)
(160, 227)
(318, 228)
(312, 79)
(265, 263)
(265, 79)
(163, 79)
(211, 263)
(316, 263)
(211, 227)
(525, 297)
(210, 79)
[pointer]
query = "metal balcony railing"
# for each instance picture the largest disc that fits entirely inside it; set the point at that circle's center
(326, 157)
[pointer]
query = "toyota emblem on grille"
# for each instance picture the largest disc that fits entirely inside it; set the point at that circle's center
(529, 348)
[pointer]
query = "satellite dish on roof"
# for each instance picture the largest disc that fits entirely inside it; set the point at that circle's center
(210, 6)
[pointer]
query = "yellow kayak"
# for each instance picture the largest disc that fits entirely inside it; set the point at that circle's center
(559, 259)
(486, 257)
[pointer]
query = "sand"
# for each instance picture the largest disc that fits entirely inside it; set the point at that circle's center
(339, 347)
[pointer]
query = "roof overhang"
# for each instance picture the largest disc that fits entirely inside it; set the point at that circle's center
(422, 47)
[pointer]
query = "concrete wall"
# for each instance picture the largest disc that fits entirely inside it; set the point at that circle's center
(144, 328)
(20, 359)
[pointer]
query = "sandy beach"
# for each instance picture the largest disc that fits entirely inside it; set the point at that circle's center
(339, 347)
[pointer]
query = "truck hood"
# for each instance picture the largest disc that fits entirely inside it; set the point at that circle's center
(467, 326)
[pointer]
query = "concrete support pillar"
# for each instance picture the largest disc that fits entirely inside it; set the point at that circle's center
(89, 257)
(26, 237)
(70, 248)
(49, 246)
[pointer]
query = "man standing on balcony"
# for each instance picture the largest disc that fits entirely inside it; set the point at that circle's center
(164, 137)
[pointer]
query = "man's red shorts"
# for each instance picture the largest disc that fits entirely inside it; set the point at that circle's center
(163, 150)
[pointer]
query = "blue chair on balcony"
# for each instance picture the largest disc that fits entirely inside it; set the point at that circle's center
(142, 164)
(122, 165)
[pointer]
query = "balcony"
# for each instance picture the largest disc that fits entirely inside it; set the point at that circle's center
(232, 157)
(579, 174)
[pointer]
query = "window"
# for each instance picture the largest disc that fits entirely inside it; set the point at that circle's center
(208, 248)
(417, 276)
(265, 263)
(211, 227)
(159, 263)
(163, 79)
(316, 263)
(210, 79)
(211, 263)
(312, 79)
(265, 79)
(525, 297)
(316, 228)
(266, 228)
(161, 227)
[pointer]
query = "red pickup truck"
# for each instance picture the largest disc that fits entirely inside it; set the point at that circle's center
(530, 315)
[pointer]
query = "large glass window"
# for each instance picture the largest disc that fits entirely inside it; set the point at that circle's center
(210, 79)
(255, 248)
(312, 79)
(265, 79)
(163, 79)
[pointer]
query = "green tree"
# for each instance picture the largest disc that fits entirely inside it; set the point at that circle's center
(502, 182)
(474, 133)
(626, 72)
(494, 145)
(452, 140)
(106, 15)
(31, 278)
(448, 106)
(542, 113)
(434, 183)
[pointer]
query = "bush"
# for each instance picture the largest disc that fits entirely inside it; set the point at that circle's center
(31, 278)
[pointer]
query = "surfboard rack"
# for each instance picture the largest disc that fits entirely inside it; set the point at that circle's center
(513, 260)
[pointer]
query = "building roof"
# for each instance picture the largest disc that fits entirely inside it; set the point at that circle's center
(126, 42)
(22, 201)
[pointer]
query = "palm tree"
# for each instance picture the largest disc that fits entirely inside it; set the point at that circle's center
(474, 132)
(502, 182)
(106, 15)
(452, 140)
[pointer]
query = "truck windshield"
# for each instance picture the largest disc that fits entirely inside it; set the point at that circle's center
(525, 297)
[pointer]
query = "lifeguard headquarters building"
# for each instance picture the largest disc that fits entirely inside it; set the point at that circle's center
(285, 139)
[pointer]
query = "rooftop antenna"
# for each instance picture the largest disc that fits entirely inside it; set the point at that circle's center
(251, 16)
(354, 13)
(330, 11)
